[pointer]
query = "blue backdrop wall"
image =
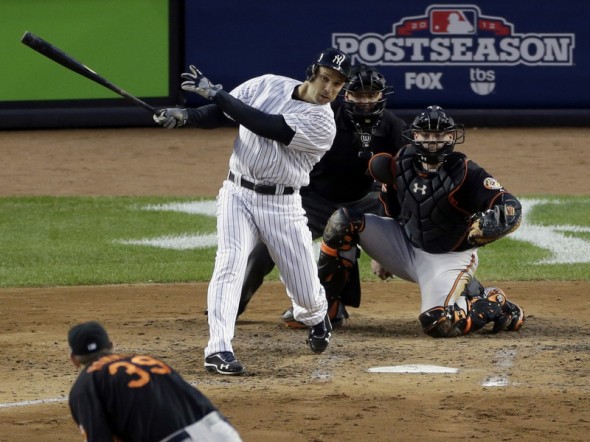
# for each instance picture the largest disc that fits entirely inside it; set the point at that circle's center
(504, 58)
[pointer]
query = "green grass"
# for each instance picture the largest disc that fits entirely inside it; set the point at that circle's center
(70, 241)
(49, 241)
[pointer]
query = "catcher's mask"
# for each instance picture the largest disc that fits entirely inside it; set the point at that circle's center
(365, 97)
(434, 134)
(330, 58)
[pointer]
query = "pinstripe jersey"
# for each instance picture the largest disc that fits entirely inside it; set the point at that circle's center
(246, 217)
(266, 161)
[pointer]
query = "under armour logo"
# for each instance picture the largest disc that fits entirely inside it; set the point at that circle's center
(224, 366)
(338, 59)
(419, 188)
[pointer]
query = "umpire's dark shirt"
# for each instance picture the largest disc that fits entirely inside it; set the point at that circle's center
(341, 175)
(135, 398)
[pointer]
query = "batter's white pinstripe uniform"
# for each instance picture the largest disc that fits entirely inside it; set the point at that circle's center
(244, 216)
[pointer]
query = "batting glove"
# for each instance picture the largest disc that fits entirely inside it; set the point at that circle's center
(199, 84)
(171, 118)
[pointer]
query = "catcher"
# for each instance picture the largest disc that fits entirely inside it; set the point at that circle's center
(442, 207)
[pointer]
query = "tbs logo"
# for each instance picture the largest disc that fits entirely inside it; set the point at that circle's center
(482, 82)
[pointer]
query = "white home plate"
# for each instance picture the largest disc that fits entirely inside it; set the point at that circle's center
(414, 368)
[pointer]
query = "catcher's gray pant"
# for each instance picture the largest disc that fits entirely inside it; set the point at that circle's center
(442, 277)
(211, 428)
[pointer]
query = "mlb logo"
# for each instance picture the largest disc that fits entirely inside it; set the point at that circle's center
(453, 21)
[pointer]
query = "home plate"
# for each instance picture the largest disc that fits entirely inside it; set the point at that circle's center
(414, 368)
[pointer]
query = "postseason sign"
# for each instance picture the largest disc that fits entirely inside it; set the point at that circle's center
(458, 54)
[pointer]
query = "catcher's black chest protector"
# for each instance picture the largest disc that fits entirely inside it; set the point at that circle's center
(431, 218)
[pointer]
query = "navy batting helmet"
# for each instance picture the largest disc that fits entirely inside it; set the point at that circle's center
(333, 59)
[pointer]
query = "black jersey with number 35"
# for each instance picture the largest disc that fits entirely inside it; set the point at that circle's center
(134, 398)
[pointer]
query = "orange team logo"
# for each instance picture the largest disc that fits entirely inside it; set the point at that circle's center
(491, 183)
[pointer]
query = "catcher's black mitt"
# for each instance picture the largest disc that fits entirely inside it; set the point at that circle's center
(493, 224)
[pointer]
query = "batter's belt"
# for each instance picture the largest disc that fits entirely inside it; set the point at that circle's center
(266, 189)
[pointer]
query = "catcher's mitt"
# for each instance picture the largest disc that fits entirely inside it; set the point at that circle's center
(492, 224)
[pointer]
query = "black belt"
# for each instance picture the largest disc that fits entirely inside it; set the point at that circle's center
(266, 189)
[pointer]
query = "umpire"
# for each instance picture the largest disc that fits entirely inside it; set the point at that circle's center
(340, 179)
(136, 398)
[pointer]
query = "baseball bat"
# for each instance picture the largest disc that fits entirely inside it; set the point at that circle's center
(54, 53)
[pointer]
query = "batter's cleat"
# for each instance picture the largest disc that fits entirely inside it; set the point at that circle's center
(290, 321)
(224, 363)
(319, 335)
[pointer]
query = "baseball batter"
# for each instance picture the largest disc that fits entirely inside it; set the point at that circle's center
(135, 397)
(443, 207)
(340, 179)
(285, 127)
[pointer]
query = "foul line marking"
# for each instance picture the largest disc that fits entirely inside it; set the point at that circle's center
(503, 359)
(413, 368)
(35, 402)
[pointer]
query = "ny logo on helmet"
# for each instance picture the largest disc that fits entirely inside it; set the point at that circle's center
(338, 59)
(419, 188)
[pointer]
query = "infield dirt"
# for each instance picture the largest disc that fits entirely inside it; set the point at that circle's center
(528, 385)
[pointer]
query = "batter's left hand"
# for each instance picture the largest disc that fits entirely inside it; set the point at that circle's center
(171, 118)
(199, 84)
(380, 271)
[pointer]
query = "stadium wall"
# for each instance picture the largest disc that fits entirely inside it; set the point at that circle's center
(500, 63)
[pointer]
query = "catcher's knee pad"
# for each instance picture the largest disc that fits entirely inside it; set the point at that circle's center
(341, 232)
(444, 322)
(483, 311)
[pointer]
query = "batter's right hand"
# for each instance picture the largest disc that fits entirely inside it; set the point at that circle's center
(199, 84)
(171, 118)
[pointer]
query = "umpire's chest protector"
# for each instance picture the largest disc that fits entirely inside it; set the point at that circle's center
(430, 216)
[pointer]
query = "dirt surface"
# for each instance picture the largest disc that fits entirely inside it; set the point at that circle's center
(528, 385)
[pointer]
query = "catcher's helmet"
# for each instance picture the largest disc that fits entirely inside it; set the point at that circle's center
(364, 79)
(330, 58)
(433, 151)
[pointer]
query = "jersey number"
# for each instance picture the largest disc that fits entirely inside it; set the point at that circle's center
(142, 374)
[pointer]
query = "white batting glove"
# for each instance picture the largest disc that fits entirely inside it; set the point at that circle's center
(171, 118)
(378, 270)
(199, 84)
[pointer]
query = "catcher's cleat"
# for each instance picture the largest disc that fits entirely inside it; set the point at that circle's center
(512, 316)
(290, 321)
(319, 335)
(515, 314)
(224, 363)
